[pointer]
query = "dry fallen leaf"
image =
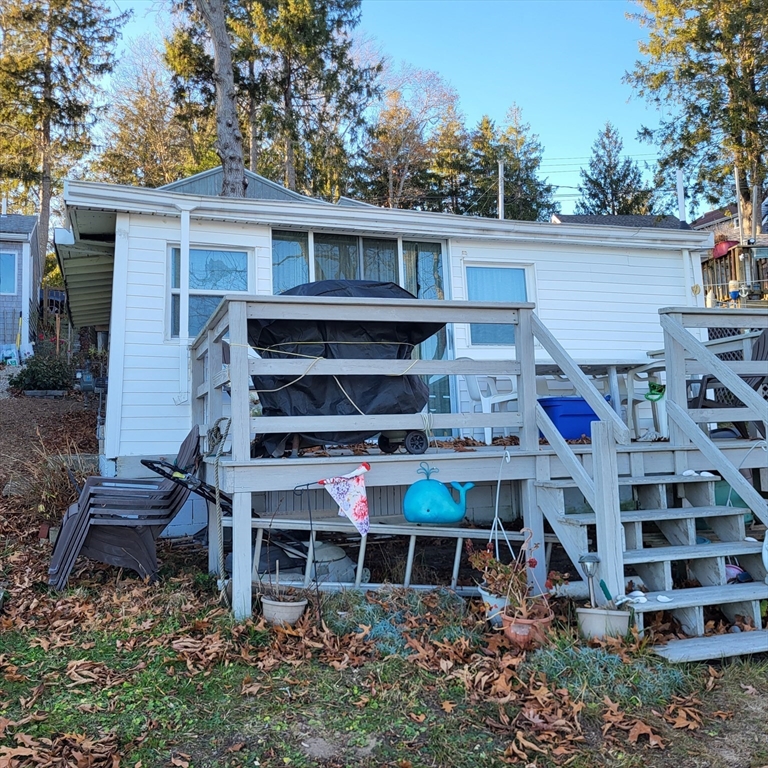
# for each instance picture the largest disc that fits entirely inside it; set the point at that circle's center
(448, 706)
(417, 718)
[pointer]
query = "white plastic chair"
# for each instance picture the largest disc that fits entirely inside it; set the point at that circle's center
(483, 390)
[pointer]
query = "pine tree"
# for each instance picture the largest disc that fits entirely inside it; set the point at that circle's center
(52, 55)
(526, 196)
(449, 170)
(301, 94)
(612, 185)
(706, 65)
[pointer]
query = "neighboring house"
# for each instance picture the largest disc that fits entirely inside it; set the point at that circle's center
(20, 276)
(152, 265)
(621, 220)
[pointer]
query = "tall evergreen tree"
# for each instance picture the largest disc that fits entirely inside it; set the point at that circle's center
(612, 184)
(301, 94)
(449, 170)
(705, 62)
(52, 54)
(526, 196)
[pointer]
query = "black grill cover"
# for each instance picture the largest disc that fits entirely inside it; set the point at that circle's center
(323, 395)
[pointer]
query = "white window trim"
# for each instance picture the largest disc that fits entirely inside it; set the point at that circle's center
(15, 290)
(529, 269)
(184, 291)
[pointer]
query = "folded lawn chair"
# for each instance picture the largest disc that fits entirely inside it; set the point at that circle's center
(723, 398)
(116, 521)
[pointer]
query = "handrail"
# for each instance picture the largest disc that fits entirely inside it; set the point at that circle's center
(580, 381)
(730, 473)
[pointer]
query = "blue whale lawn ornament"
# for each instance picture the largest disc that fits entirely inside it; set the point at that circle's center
(429, 501)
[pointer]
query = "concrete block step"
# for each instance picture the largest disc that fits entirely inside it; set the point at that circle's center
(642, 515)
(640, 480)
(696, 552)
(696, 596)
(714, 647)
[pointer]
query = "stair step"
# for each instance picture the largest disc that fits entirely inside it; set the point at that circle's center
(695, 596)
(641, 515)
(714, 647)
(640, 480)
(696, 552)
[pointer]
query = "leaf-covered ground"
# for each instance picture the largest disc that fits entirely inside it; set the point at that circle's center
(115, 672)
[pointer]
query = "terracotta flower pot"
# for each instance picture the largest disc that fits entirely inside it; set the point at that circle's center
(527, 633)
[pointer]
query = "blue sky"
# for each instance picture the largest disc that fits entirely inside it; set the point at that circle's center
(560, 61)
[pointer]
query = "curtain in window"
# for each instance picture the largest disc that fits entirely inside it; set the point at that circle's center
(290, 260)
(494, 284)
(424, 279)
(380, 260)
(336, 257)
(7, 273)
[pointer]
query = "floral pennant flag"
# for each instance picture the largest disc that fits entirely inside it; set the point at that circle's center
(348, 491)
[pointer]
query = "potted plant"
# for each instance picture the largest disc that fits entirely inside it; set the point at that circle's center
(523, 611)
(281, 606)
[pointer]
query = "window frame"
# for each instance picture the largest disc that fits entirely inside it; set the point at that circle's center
(529, 273)
(15, 257)
(185, 290)
(396, 240)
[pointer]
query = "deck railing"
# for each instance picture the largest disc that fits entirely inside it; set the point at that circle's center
(686, 356)
(229, 324)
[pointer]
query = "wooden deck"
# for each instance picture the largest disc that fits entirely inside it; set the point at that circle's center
(669, 498)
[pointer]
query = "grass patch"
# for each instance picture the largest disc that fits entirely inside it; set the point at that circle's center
(591, 674)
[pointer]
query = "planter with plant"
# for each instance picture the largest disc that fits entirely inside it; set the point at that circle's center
(524, 611)
(281, 606)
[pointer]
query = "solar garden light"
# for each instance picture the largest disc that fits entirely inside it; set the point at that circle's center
(589, 562)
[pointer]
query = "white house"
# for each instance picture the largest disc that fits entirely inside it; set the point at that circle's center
(151, 264)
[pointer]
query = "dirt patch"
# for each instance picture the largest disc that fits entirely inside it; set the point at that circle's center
(57, 425)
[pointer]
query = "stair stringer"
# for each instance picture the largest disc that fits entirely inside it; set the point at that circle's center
(572, 536)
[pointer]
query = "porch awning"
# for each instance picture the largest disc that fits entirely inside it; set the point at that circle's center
(87, 269)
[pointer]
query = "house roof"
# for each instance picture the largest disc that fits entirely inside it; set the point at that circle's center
(17, 224)
(86, 253)
(630, 220)
(259, 187)
(710, 218)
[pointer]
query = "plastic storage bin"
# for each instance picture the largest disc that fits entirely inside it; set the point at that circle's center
(571, 415)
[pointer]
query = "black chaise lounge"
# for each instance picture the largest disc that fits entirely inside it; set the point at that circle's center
(117, 521)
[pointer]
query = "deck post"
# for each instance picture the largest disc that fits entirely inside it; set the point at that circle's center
(529, 441)
(240, 432)
(674, 359)
(607, 508)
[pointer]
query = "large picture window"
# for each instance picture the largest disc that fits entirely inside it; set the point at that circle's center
(505, 284)
(334, 257)
(212, 274)
(8, 273)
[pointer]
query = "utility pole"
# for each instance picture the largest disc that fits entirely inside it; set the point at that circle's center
(501, 189)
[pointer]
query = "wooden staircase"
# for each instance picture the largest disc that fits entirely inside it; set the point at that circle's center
(659, 545)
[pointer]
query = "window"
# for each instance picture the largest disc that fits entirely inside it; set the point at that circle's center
(494, 284)
(335, 257)
(290, 260)
(8, 273)
(212, 274)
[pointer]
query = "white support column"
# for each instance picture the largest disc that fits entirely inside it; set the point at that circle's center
(607, 509)
(676, 391)
(26, 296)
(113, 415)
(240, 434)
(529, 441)
(241, 555)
